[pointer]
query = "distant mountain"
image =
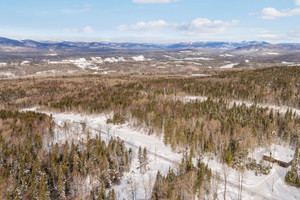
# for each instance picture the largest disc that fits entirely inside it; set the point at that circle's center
(265, 49)
(67, 46)
(215, 45)
(10, 42)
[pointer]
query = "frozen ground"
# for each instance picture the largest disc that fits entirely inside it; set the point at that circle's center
(77, 127)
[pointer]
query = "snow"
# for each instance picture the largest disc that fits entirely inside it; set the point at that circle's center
(246, 61)
(262, 185)
(85, 64)
(7, 75)
(138, 58)
(226, 55)
(280, 109)
(3, 64)
(280, 153)
(272, 53)
(97, 60)
(170, 57)
(229, 66)
(200, 58)
(81, 62)
(194, 63)
(291, 63)
(113, 59)
(69, 126)
(51, 54)
(25, 62)
(201, 75)
(204, 58)
(54, 72)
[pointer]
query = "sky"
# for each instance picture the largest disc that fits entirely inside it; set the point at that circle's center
(156, 21)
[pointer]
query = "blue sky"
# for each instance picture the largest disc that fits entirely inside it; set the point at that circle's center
(162, 21)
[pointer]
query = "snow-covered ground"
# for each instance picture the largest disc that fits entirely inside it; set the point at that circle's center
(78, 127)
(226, 55)
(272, 53)
(200, 75)
(69, 127)
(25, 62)
(7, 75)
(281, 109)
(291, 63)
(139, 58)
(94, 62)
(114, 60)
(229, 66)
(271, 186)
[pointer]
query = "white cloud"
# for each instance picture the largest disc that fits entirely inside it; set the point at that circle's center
(204, 26)
(144, 26)
(153, 1)
(88, 29)
(272, 13)
(199, 26)
(297, 2)
(196, 27)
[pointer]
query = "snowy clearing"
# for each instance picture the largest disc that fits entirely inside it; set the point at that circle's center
(139, 58)
(25, 62)
(229, 66)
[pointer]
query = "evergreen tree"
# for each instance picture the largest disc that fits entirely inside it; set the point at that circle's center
(101, 194)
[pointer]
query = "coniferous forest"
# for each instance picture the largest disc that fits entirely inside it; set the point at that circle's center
(218, 126)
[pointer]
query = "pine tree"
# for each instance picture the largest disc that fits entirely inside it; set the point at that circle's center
(293, 176)
(111, 195)
(101, 194)
(140, 155)
(61, 183)
(43, 189)
(145, 158)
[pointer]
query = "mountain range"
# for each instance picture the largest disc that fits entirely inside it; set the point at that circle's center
(6, 42)
(16, 48)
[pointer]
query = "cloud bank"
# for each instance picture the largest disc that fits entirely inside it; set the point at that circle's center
(197, 26)
(273, 13)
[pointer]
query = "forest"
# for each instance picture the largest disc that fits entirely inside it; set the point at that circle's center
(213, 127)
(29, 171)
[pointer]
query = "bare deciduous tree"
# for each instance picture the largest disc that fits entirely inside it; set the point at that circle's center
(133, 188)
(147, 186)
(225, 172)
(215, 183)
(241, 177)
